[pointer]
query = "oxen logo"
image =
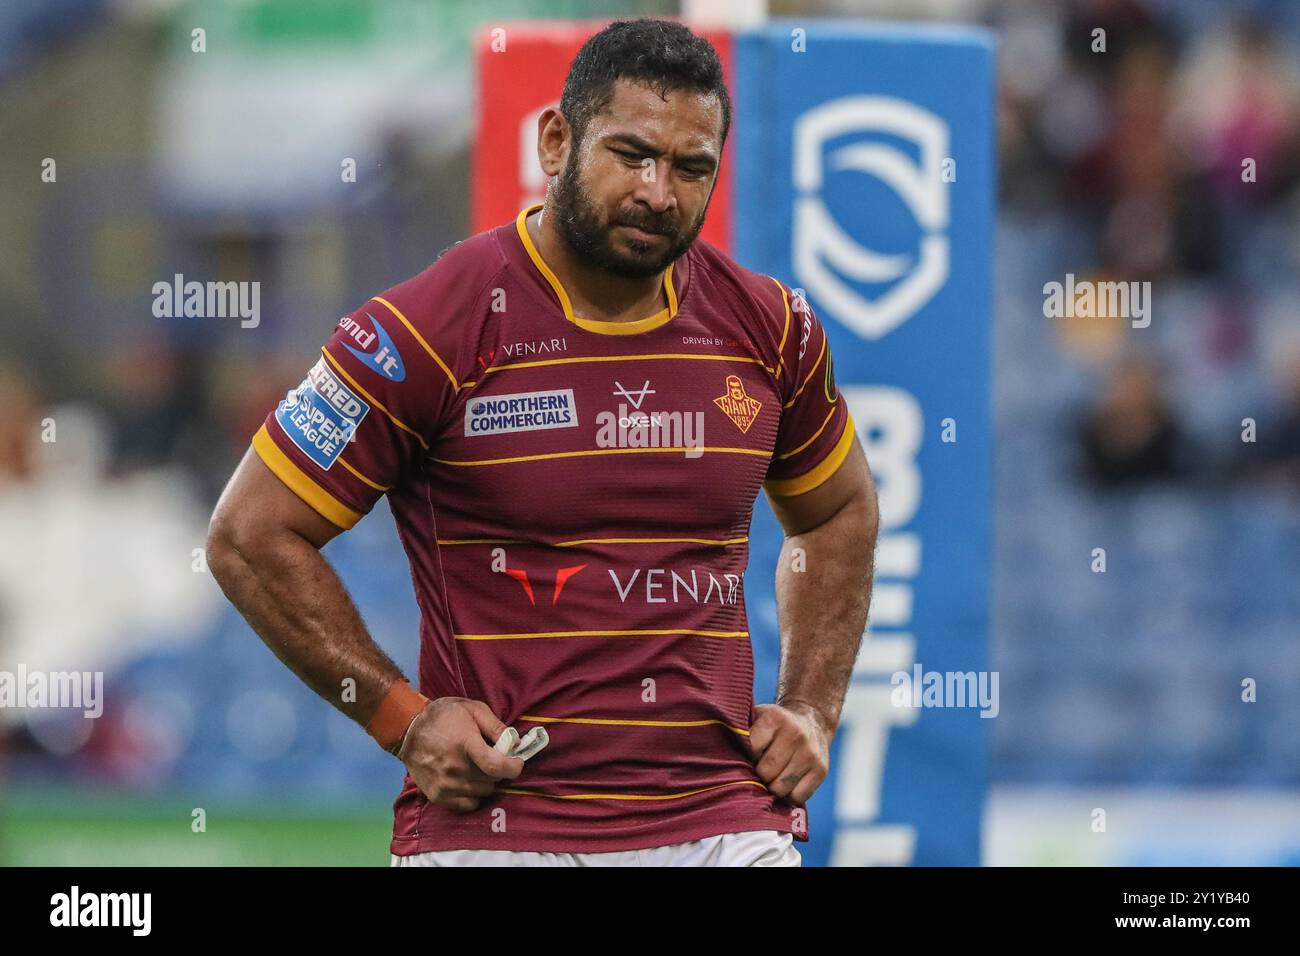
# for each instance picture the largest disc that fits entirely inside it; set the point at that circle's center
(829, 262)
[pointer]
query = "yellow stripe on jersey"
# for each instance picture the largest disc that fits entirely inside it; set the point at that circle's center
(363, 478)
(720, 542)
(780, 350)
(529, 635)
(629, 358)
(631, 796)
(825, 421)
(484, 541)
(374, 401)
(283, 467)
(631, 723)
(597, 451)
(820, 472)
(820, 355)
(420, 338)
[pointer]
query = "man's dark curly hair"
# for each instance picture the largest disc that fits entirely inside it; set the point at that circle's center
(662, 54)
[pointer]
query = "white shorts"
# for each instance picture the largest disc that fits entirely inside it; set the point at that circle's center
(751, 848)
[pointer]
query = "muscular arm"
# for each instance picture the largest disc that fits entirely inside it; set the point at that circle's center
(822, 609)
(264, 551)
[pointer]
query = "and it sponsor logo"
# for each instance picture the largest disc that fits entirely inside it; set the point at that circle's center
(375, 348)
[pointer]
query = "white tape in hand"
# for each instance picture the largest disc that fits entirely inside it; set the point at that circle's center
(510, 743)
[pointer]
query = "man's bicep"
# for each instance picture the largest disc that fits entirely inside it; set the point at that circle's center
(802, 512)
(257, 501)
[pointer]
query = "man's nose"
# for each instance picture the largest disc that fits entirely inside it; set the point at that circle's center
(655, 188)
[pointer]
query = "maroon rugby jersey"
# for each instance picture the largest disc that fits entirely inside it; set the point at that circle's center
(575, 497)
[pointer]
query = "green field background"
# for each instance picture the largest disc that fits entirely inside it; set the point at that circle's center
(45, 829)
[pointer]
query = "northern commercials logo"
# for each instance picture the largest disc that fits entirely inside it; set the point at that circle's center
(833, 265)
(377, 351)
(521, 412)
(742, 409)
(321, 415)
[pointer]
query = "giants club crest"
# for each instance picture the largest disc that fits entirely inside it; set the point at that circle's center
(736, 405)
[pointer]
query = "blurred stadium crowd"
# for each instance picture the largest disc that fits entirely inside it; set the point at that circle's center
(1122, 165)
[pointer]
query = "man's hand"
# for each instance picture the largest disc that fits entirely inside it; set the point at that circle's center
(792, 745)
(448, 758)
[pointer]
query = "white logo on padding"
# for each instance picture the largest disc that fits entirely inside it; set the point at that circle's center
(824, 255)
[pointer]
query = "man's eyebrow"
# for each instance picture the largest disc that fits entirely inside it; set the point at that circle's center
(642, 146)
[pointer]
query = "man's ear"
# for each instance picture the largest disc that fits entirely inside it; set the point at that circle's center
(553, 140)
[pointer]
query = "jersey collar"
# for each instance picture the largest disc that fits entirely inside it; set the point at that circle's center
(661, 317)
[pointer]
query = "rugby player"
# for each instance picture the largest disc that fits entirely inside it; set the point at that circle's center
(525, 403)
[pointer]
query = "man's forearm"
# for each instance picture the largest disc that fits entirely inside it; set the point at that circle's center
(822, 602)
(294, 600)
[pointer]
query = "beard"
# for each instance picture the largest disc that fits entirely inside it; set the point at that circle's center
(579, 221)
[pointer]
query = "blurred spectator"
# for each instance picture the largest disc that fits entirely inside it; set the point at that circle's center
(1131, 436)
(1275, 457)
(1238, 100)
(18, 425)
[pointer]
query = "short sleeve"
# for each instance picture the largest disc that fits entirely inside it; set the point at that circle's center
(362, 417)
(816, 429)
